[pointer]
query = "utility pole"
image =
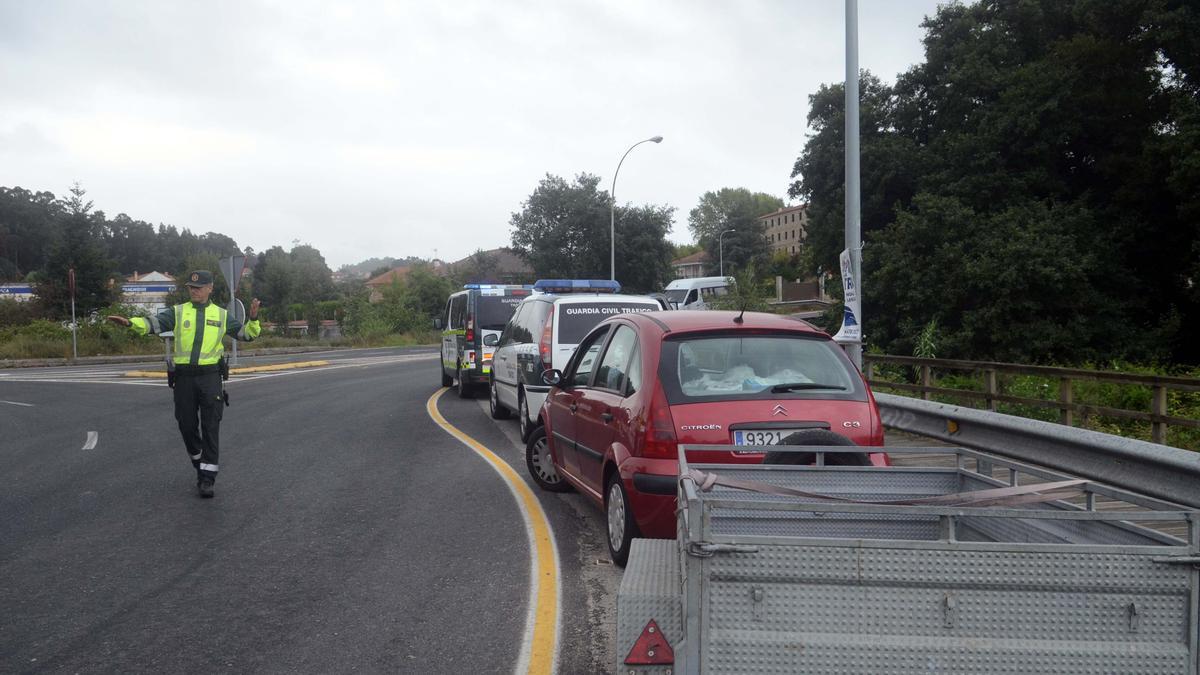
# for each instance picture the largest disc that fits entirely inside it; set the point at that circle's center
(853, 343)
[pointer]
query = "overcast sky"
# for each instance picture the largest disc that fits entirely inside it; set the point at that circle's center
(400, 128)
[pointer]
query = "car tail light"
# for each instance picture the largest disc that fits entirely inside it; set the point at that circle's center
(546, 344)
(470, 328)
(660, 440)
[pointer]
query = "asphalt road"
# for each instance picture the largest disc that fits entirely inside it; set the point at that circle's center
(349, 532)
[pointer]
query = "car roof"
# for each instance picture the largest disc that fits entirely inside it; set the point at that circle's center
(597, 297)
(689, 321)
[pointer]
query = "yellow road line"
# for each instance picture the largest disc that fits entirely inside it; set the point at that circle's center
(543, 645)
(238, 371)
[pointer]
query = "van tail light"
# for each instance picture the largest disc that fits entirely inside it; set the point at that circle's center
(660, 441)
(470, 328)
(546, 344)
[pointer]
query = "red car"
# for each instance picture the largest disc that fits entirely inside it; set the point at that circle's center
(641, 384)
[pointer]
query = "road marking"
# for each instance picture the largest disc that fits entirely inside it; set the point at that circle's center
(539, 649)
(238, 371)
(26, 405)
(92, 439)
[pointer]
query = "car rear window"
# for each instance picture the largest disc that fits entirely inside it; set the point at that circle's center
(576, 319)
(758, 366)
(496, 310)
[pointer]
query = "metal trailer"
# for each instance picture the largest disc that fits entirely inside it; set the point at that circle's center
(769, 583)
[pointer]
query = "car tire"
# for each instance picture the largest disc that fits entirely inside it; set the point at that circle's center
(527, 427)
(495, 408)
(541, 464)
(464, 387)
(446, 379)
(817, 437)
(620, 527)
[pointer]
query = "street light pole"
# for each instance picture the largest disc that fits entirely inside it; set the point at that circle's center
(612, 209)
(721, 247)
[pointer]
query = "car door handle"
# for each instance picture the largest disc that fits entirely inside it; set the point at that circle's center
(606, 416)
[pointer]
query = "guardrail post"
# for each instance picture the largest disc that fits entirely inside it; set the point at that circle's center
(926, 381)
(990, 388)
(1158, 408)
(1066, 399)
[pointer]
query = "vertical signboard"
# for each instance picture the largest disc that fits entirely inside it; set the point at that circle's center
(851, 331)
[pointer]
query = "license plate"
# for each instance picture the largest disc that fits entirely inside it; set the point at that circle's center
(761, 436)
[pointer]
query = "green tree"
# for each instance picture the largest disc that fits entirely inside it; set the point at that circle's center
(562, 230)
(80, 248)
(736, 209)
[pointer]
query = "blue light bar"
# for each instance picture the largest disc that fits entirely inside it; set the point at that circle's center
(502, 287)
(576, 286)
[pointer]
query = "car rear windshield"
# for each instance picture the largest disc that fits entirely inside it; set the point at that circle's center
(576, 319)
(759, 366)
(496, 310)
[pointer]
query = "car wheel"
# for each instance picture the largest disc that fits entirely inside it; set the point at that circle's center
(523, 414)
(817, 437)
(464, 386)
(541, 464)
(622, 529)
(446, 379)
(498, 411)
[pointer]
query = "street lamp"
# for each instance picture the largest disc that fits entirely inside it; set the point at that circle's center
(721, 246)
(612, 209)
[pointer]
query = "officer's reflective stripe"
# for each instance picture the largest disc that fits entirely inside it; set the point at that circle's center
(208, 467)
(195, 457)
(154, 325)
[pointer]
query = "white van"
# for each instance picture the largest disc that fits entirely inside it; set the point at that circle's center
(698, 292)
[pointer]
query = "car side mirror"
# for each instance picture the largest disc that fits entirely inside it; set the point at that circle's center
(437, 324)
(552, 376)
(491, 340)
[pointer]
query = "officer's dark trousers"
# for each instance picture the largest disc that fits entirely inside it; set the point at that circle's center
(198, 409)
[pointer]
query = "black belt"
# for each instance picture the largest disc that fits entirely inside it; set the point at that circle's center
(185, 369)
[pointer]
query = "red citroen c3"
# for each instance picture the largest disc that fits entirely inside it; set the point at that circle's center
(639, 385)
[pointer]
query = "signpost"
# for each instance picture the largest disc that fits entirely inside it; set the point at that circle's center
(232, 268)
(71, 289)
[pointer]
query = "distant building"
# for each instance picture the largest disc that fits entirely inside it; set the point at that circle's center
(377, 284)
(506, 268)
(20, 292)
(695, 265)
(150, 291)
(786, 229)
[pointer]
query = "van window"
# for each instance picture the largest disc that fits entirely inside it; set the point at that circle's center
(513, 326)
(534, 320)
(676, 295)
(576, 319)
(495, 310)
(458, 311)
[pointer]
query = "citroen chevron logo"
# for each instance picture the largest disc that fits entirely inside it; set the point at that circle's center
(779, 410)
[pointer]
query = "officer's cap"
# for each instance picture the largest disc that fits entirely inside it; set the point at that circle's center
(200, 278)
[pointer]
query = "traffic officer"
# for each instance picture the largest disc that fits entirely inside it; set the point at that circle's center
(199, 328)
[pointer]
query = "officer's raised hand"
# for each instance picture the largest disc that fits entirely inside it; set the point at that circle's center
(254, 305)
(119, 320)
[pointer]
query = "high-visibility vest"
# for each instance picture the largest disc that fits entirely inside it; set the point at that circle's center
(187, 318)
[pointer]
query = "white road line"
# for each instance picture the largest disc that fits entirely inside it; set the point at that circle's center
(27, 405)
(92, 439)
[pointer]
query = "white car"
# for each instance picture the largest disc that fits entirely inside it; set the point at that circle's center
(542, 334)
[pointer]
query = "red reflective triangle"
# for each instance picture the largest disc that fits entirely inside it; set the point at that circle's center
(651, 648)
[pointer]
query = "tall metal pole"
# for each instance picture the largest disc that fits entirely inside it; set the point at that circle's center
(721, 247)
(853, 224)
(74, 326)
(612, 208)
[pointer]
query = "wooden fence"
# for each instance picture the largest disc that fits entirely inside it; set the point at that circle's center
(992, 394)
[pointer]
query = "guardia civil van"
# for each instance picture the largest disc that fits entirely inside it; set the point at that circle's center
(471, 315)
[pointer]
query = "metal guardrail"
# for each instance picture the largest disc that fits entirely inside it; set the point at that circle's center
(1068, 408)
(1167, 473)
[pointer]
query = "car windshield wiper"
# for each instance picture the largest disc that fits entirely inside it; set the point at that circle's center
(796, 386)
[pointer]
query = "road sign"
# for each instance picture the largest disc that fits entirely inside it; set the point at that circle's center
(232, 268)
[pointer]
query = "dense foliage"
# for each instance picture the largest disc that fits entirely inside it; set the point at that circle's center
(1032, 189)
(733, 209)
(562, 230)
